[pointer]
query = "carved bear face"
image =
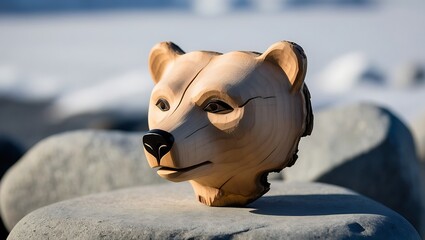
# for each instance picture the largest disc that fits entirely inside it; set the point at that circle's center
(224, 121)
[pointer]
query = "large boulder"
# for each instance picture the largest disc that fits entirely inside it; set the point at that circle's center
(367, 149)
(170, 211)
(70, 165)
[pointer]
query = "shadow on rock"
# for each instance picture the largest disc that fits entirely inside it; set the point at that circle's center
(314, 205)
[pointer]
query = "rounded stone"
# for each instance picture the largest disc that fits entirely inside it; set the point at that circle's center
(73, 164)
(170, 211)
(365, 148)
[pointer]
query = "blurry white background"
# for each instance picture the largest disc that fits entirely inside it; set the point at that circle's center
(86, 57)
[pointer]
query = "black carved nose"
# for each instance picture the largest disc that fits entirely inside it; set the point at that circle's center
(158, 143)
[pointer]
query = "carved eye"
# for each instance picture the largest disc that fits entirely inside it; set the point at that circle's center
(217, 106)
(163, 104)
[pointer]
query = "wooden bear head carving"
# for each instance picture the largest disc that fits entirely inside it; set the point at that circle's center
(224, 121)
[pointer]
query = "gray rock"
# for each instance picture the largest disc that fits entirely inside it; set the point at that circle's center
(170, 211)
(367, 149)
(70, 165)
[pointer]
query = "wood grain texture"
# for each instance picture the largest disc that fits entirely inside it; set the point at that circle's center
(234, 118)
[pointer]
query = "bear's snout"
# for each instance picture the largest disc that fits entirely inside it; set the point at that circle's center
(158, 143)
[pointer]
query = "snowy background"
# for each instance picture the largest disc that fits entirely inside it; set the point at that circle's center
(68, 59)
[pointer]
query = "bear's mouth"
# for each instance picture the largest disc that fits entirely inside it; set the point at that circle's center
(186, 169)
(175, 174)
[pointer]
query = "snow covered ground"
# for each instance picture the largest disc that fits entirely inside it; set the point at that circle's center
(95, 61)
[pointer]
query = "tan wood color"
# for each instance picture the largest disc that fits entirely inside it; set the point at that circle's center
(232, 118)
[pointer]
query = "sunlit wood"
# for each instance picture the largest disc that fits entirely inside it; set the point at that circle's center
(224, 121)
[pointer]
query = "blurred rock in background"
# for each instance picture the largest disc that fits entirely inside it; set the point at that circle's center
(70, 165)
(367, 149)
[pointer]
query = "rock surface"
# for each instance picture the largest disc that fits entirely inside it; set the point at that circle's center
(170, 211)
(367, 149)
(70, 165)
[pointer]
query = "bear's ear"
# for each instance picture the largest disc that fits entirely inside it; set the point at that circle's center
(160, 57)
(291, 59)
